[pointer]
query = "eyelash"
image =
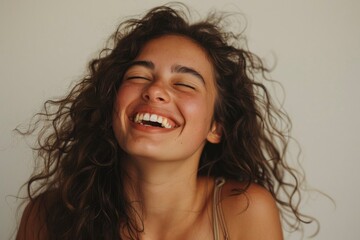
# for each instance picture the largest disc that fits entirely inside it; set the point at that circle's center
(185, 85)
(137, 77)
(144, 78)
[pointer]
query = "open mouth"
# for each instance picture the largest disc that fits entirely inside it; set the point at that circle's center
(153, 120)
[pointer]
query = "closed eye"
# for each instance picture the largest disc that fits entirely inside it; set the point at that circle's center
(137, 77)
(185, 85)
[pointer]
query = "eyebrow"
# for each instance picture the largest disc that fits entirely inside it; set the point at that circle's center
(175, 68)
(147, 64)
(184, 69)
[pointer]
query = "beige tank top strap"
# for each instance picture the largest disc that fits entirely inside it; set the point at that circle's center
(219, 224)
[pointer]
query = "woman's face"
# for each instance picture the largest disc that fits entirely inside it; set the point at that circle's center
(165, 104)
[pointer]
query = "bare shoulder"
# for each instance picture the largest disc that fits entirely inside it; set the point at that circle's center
(33, 221)
(252, 214)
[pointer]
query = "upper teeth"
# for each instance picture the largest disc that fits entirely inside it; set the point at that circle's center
(152, 118)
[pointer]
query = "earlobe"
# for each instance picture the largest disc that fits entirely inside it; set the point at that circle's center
(214, 135)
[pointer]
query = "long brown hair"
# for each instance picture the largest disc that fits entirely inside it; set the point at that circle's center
(80, 157)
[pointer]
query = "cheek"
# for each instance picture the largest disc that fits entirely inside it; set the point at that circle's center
(199, 111)
(125, 95)
(123, 100)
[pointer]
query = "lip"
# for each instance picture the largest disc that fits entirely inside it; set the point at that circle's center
(152, 110)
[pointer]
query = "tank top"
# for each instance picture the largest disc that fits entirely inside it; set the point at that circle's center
(219, 225)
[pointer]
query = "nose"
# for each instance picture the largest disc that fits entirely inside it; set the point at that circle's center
(156, 92)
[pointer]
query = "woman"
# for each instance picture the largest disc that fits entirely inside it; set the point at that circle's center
(168, 137)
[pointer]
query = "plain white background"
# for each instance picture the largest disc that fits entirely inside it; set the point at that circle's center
(45, 45)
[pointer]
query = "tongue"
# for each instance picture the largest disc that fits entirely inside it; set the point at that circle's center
(153, 124)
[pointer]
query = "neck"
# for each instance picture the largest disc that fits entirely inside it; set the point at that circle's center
(166, 193)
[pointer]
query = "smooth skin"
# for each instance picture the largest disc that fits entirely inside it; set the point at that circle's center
(173, 78)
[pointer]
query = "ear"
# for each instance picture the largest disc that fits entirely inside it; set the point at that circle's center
(214, 135)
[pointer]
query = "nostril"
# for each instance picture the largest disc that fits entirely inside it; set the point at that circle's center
(146, 96)
(160, 99)
(155, 94)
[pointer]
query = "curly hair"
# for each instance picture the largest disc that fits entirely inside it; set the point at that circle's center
(79, 156)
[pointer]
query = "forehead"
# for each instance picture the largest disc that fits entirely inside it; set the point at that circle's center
(177, 49)
(174, 40)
